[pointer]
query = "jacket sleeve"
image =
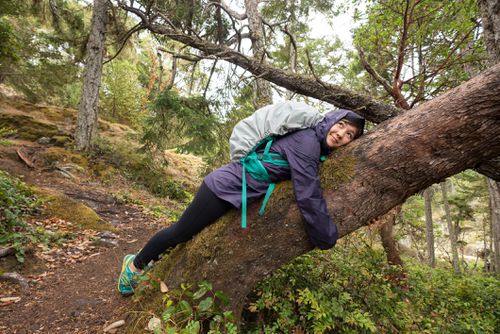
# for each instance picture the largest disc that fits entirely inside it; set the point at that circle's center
(303, 157)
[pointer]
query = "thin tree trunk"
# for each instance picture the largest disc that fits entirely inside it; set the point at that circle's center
(451, 230)
(490, 14)
(494, 189)
(429, 228)
(262, 87)
(89, 103)
(387, 237)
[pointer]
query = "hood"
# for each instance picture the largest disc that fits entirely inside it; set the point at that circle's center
(333, 117)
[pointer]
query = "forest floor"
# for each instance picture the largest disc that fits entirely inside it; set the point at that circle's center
(70, 288)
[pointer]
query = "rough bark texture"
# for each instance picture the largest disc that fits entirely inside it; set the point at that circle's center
(490, 15)
(451, 229)
(387, 237)
(88, 109)
(361, 182)
(429, 228)
(494, 188)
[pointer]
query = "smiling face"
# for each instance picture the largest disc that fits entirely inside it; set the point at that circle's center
(340, 134)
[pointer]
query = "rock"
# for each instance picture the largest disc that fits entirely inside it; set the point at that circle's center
(105, 243)
(154, 324)
(43, 141)
(107, 235)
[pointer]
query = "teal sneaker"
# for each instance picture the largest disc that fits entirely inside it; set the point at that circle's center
(128, 278)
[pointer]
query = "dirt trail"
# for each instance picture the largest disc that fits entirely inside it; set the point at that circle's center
(80, 297)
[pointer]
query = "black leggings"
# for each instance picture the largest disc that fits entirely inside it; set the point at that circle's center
(205, 209)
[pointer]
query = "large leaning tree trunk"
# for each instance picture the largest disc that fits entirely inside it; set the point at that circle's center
(490, 13)
(360, 182)
(86, 127)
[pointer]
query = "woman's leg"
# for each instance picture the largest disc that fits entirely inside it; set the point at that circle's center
(205, 209)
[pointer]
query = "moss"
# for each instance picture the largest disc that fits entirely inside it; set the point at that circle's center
(55, 114)
(337, 171)
(27, 127)
(61, 140)
(61, 206)
(103, 171)
(59, 154)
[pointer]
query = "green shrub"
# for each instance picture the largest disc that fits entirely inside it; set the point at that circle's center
(6, 132)
(16, 202)
(349, 290)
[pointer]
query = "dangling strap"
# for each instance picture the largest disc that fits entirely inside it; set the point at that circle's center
(244, 199)
(266, 198)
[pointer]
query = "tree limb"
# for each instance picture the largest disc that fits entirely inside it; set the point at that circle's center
(375, 75)
(372, 110)
(229, 11)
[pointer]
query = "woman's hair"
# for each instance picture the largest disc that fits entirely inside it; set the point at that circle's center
(356, 123)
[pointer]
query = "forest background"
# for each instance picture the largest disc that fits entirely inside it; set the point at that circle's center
(429, 265)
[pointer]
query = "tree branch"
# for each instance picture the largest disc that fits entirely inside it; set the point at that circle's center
(372, 110)
(228, 10)
(377, 77)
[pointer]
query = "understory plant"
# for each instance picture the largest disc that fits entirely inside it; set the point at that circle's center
(17, 201)
(188, 312)
(351, 290)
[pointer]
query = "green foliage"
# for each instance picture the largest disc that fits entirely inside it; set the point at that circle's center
(122, 96)
(196, 312)
(17, 202)
(9, 45)
(348, 290)
(440, 37)
(36, 41)
(184, 123)
(6, 132)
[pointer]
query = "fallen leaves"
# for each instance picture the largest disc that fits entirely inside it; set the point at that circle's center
(67, 244)
(9, 300)
(163, 287)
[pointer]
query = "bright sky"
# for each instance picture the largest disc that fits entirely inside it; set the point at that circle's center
(340, 27)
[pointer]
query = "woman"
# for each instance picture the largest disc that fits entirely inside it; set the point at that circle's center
(221, 190)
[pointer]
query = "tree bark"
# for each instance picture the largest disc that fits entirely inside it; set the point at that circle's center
(387, 237)
(451, 231)
(361, 182)
(89, 103)
(262, 87)
(494, 189)
(490, 13)
(429, 228)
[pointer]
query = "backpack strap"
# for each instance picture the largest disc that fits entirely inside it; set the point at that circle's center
(252, 163)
